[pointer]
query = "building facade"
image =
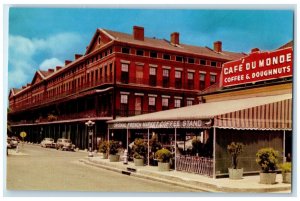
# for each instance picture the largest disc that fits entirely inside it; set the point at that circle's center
(119, 75)
(256, 111)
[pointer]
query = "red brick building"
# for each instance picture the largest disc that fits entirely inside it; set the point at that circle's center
(119, 75)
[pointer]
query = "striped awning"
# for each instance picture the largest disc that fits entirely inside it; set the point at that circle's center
(256, 113)
(272, 116)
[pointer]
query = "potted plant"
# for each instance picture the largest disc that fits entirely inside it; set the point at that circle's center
(103, 148)
(267, 159)
(235, 149)
(139, 149)
(113, 150)
(286, 171)
(163, 156)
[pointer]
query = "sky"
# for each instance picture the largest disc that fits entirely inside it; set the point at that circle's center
(42, 38)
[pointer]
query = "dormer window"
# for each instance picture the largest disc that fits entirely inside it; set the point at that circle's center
(191, 60)
(125, 50)
(202, 62)
(153, 54)
(178, 58)
(213, 63)
(167, 56)
(140, 52)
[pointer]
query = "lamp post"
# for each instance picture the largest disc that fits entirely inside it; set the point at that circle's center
(90, 125)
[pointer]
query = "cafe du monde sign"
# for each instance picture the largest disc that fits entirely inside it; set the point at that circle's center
(258, 66)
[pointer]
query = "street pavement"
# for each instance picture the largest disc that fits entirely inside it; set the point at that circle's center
(34, 168)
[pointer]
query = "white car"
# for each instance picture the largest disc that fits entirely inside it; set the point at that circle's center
(12, 143)
(64, 144)
(48, 142)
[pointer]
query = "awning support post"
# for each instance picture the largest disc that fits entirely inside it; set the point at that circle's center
(214, 154)
(108, 141)
(148, 163)
(127, 135)
(283, 147)
(175, 149)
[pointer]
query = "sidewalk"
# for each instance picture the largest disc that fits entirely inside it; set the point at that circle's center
(249, 184)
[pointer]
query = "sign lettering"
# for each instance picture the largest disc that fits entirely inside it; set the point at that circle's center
(159, 124)
(258, 67)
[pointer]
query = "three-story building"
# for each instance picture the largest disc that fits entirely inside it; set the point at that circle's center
(119, 75)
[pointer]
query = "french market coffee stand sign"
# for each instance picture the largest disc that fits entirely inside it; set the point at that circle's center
(258, 66)
(162, 124)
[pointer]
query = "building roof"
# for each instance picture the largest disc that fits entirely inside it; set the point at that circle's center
(289, 44)
(165, 44)
(203, 111)
(46, 73)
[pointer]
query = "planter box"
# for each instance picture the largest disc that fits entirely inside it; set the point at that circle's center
(138, 162)
(163, 166)
(235, 173)
(286, 177)
(114, 158)
(104, 156)
(267, 178)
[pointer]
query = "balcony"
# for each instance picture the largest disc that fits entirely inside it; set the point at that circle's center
(64, 117)
(63, 94)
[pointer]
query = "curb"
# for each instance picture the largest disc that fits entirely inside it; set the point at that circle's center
(178, 181)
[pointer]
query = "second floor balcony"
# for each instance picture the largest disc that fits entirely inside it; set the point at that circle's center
(49, 97)
(65, 117)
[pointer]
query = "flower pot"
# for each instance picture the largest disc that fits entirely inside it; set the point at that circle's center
(267, 178)
(235, 173)
(114, 158)
(138, 161)
(286, 177)
(163, 166)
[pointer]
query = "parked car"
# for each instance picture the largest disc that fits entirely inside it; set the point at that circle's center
(48, 142)
(12, 143)
(64, 144)
(15, 138)
(8, 146)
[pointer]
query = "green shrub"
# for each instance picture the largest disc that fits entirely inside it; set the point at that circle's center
(103, 148)
(113, 147)
(286, 167)
(163, 155)
(235, 149)
(139, 149)
(267, 158)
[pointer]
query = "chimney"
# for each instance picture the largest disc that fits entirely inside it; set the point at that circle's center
(138, 33)
(77, 56)
(254, 50)
(67, 62)
(28, 84)
(218, 46)
(23, 87)
(50, 70)
(58, 67)
(175, 38)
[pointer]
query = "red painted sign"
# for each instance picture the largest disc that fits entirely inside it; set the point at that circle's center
(258, 66)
